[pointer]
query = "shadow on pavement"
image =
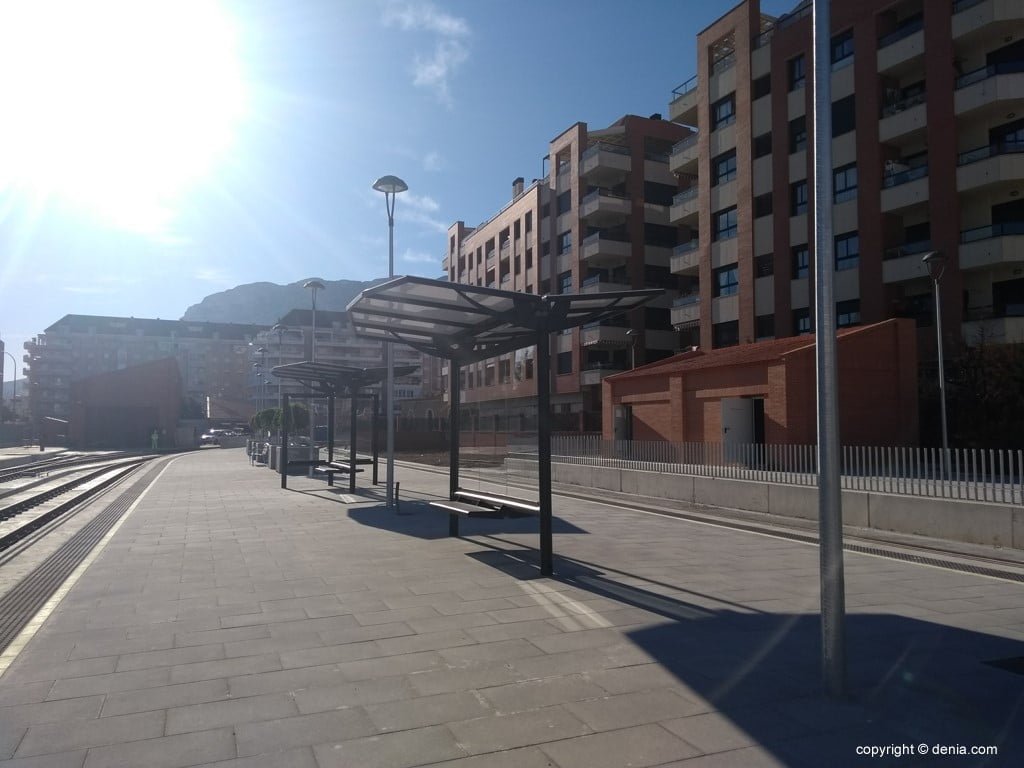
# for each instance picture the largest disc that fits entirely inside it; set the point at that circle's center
(910, 682)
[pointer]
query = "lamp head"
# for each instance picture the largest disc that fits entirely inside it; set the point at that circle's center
(390, 185)
(935, 263)
(313, 284)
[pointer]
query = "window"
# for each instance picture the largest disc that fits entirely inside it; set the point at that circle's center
(847, 313)
(801, 261)
(798, 198)
(723, 111)
(529, 258)
(844, 116)
(762, 86)
(764, 326)
(847, 251)
(763, 145)
(763, 205)
(504, 371)
(723, 168)
(802, 321)
(565, 242)
(564, 203)
(725, 334)
(529, 221)
(565, 282)
(727, 280)
(797, 72)
(798, 134)
(764, 265)
(844, 183)
(842, 49)
(563, 362)
(725, 224)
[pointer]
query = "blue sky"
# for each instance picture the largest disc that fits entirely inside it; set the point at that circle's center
(166, 150)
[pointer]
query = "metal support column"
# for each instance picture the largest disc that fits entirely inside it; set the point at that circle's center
(374, 447)
(352, 446)
(544, 449)
(453, 440)
(330, 427)
(283, 458)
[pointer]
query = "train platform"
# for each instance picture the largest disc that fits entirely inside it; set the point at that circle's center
(224, 621)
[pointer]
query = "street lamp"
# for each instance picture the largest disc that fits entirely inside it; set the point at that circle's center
(633, 335)
(280, 329)
(390, 186)
(314, 286)
(14, 394)
(935, 262)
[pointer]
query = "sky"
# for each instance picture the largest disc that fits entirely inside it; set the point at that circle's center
(153, 152)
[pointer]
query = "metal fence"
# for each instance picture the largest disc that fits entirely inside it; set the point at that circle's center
(964, 473)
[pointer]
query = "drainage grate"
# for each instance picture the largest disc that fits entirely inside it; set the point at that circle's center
(1014, 664)
(19, 605)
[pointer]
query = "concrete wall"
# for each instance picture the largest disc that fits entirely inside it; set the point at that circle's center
(997, 525)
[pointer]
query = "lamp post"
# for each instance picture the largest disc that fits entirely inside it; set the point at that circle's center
(280, 329)
(14, 394)
(313, 285)
(390, 186)
(633, 335)
(935, 262)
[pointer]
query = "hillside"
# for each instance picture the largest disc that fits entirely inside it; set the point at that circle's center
(266, 303)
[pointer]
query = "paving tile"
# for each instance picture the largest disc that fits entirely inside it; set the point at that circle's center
(220, 635)
(387, 666)
(516, 648)
(525, 757)
(166, 751)
(300, 757)
(499, 732)
(321, 698)
(29, 668)
(209, 670)
(534, 694)
(10, 736)
(640, 677)
(628, 709)
(64, 710)
(302, 731)
(426, 710)
(284, 680)
(454, 621)
(84, 734)
(28, 693)
(214, 714)
(263, 645)
(117, 681)
(401, 749)
(465, 678)
(169, 657)
(74, 759)
(494, 632)
(636, 747)
(359, 634)
(164, 697)
(430, 641)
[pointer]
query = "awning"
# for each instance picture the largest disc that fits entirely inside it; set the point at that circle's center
(334, 378)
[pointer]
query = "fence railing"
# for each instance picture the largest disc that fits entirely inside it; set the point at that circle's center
(972, 474)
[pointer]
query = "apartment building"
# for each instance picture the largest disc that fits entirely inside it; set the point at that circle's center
(212, 358)
(597, 221)
(291, 341)
(928, 155)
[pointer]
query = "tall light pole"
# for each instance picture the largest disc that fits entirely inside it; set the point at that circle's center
(633, 334)
(14, 394)
(935, 262)
(280, 329)
(390, 186)
(313, 285)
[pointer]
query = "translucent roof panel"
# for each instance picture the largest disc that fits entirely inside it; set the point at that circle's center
(333, 377)
(467, 322)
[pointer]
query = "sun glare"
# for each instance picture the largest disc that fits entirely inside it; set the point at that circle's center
(115, 105)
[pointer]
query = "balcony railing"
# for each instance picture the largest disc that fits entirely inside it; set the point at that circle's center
(906, 29)
(1013, 146)
(894, 107)
(907, 249)
(687, 194)
(686, 143)
(723, 62)
(905, 177)
(681, 90)
(1003, 68)
(686, 300)
(794, 16)
(992, 230)
(963, 5)
(603, 146)
(687, 247)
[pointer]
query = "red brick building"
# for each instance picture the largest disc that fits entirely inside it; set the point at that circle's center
(121, 409)
(765, 392)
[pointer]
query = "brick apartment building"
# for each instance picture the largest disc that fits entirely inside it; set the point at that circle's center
(212, 358)
(928, 155)
(598, 221)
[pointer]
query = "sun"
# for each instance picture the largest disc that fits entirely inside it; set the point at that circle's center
(116, 106)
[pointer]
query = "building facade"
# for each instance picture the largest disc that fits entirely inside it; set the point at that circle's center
(927, 153)
(598, 221)
(212, 358)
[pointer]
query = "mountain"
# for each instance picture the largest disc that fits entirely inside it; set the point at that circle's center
(266, 303)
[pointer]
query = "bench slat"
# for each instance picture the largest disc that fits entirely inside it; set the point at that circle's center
(499, 501)
(462, 508)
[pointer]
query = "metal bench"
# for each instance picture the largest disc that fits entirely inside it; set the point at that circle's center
(488, 505)
(332, 469)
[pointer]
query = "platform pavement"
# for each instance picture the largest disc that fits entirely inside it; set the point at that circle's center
(229, 622)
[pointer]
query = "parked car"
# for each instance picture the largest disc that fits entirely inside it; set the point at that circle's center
(210, 438)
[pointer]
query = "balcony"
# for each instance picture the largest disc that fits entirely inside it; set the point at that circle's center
(902, 117)
(602, 251)
(683, 158)
(599, 284)
(972, 17)
(901, 46)
(992, 326)
(994, 245)
(998, 163)
(683, 107)
(603, 209)
(903, 262)
(605, 165)
(596, 372)
(989, 88)
(904, 187)
(686, 310)
(686, 258)
(685, 205)
(604, 337)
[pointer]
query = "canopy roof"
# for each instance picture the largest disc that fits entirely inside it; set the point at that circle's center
(334, 377)
(467, 322)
